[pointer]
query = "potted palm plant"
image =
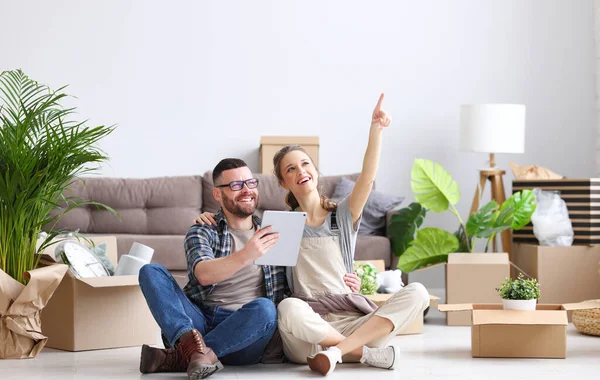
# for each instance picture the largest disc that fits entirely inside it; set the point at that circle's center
(519, 294)
(42, 151)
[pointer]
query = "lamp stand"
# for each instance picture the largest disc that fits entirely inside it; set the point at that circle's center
(497, 186)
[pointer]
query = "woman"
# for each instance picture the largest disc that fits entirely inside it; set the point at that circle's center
(323, 312)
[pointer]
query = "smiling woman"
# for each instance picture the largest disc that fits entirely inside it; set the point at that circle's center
(308, 170)
(324, 311)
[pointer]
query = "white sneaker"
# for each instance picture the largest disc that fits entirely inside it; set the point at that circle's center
(379, 357)
(324, 362)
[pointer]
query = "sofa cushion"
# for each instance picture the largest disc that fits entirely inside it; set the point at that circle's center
(376, 208)
(370, 247)
(327, 184)
(166, 205)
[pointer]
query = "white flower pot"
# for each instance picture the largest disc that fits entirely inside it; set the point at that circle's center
(519, 304)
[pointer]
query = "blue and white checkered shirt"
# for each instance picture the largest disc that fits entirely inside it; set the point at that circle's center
(204, 242)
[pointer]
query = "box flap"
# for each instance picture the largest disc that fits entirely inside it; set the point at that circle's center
(478, 258)
(455, 307)
(519, 317)
(582, 305)
(110, 282)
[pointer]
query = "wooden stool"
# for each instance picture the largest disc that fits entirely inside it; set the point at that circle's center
(495, 177)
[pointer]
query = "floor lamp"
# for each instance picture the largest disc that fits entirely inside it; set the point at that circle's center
(492, 128)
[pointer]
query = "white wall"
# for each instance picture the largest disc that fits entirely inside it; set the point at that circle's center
(190, 82)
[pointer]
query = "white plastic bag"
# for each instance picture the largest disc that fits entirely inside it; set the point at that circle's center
(551, 223)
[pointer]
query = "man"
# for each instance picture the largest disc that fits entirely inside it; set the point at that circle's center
(227, 311)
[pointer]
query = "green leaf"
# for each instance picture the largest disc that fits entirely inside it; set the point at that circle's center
(483, 220)
(403, 225)
(431, 246)
(433, 186)
(523, 204)
(502, 221)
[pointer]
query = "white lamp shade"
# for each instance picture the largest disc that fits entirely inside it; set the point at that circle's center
(492, 128)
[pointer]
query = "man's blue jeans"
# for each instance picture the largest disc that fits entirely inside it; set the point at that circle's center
(237, 337)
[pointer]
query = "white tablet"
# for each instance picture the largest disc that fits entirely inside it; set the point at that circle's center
(290, 226)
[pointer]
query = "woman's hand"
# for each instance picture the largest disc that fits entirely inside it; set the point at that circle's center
(380, 119)
(353, 282)
(206, 218)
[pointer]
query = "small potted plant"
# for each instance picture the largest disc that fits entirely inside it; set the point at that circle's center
(519, 294)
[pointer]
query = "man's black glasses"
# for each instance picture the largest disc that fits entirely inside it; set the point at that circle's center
(238, 185)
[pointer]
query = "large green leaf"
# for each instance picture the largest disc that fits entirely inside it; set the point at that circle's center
(403, 225)
(433, 186)
(523, 204)
(482, 220)
(431, 246)
(502, 221)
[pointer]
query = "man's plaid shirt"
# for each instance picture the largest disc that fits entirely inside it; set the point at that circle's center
(210, 242)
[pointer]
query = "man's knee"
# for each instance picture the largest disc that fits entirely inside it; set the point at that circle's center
(265, 308)
(150, 270)
(287, 310)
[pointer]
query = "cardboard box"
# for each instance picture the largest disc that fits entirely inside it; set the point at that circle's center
(269, 145)
(498, 333)
(473, 278)
(416, 327)
(582, 198)
(98, 313)
(566, 274)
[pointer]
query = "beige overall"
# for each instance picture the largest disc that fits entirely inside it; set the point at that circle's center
(320, 270)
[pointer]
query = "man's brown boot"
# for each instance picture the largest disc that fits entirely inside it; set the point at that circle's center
(162, 360)
(203, 361)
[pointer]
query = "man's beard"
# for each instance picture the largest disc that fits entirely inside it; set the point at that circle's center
(240, 210)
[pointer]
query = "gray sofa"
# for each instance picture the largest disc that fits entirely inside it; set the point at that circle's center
(159, 211)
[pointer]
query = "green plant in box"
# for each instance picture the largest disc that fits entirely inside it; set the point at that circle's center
(519, 294)
(436, 191)
(519, 289)
(42, 152)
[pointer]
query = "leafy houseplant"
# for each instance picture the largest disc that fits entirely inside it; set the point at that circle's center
(436, 191)
(368, 278)
(41, 153)
(519, 294)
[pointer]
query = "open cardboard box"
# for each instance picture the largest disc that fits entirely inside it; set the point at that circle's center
(499, 333)
(416, 327)
(99, 312)
(472, 278)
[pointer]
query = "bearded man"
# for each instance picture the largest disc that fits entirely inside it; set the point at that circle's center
(227, 313)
